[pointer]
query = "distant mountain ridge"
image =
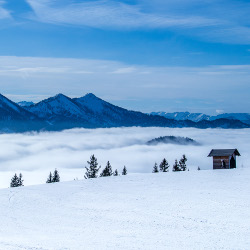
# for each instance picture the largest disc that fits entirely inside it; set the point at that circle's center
(61, 112)
(24, 103)
(196, 117)
(90, 111)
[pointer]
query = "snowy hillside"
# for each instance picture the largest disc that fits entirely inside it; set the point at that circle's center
(186, 210)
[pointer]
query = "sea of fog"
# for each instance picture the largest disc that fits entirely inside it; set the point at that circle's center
(36, 154)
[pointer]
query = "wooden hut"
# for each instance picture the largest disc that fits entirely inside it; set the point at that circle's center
(224, 158)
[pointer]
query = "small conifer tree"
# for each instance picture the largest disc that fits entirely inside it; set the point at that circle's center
(56, 177)
(155, 168)
(50, 178)
(176, 166)
(124, 171)
(116, 173)
(14, 181)
(182, 163)
(20, 180)
(198, 168)
(92, 170)
(107, 171)
(164, 165)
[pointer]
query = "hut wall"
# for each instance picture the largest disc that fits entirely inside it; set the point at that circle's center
(217, 162)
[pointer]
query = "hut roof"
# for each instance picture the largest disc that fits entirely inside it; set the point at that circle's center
(223, 152)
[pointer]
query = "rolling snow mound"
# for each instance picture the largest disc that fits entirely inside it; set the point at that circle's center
(186, 210)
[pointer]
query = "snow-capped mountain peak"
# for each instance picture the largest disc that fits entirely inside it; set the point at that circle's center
(91, 95)
(59, 105)
(12, 111)
(14, 118)
(6, 103)
(91, 103)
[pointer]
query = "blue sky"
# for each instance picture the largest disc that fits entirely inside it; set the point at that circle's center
(175, 55)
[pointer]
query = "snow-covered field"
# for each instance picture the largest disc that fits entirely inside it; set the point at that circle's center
(35, 155)
(187, 210)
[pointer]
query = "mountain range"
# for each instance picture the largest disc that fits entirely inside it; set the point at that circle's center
(196, 117)
(62, 112)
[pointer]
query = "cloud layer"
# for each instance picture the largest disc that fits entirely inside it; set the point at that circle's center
(36, 154)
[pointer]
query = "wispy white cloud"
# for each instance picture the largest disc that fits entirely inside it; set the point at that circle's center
(111, 14)
(75, 77)
(4, 13)
(36, 70)
(127, 70)
(216, 21)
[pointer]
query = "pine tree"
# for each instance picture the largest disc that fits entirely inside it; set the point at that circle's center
(116, 173)
(198, 168)
(56, 177)
(92, 170)
(107, 171)
(182, 163)
(20, 180)
(164, 166)
(50, 178)
(124, 171)
(176, 166)
(14, 181)
(155, 168)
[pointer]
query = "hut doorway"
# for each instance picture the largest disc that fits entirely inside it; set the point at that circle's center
(232, 162)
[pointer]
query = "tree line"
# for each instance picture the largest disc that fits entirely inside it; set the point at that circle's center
(164, 165)
(91, 172)
(93, 168)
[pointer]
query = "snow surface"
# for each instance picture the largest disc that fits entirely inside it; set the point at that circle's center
(188, 210)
